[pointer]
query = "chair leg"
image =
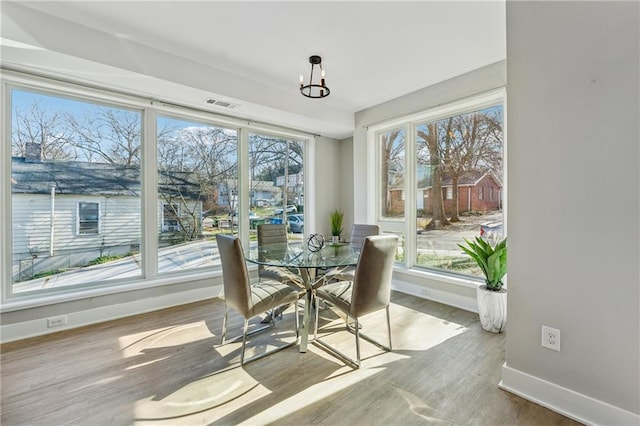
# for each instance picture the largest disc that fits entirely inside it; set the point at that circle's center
(315, 331)
(297, 321)
(224, 323)
(246, 333)
(357, 343)
(389, 328)
(244, 340)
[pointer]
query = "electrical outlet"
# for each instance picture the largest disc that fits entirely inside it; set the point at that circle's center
(551, 338)
(57, 321)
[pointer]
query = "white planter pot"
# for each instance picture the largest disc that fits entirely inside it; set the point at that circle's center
(492, 308)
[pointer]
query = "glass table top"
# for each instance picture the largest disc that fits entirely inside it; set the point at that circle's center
(299, 255)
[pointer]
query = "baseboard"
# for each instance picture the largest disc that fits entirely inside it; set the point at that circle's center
(429, 293)
(567, 402)
(38, 327)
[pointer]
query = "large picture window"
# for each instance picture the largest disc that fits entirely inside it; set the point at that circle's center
(197, 187)
(85, 165)
(276, 182)
(75, 185)
(457, 177)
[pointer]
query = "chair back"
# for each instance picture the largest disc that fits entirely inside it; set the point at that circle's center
(237, 286)
(273, 233)
(372, 281)
(270, 233)
(359, 231)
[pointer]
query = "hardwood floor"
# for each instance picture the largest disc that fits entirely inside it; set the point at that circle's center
(168, 368)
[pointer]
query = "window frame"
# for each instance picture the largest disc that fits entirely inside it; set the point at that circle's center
(150, 109)
(164, 218)
(407, 226)
(79, 220)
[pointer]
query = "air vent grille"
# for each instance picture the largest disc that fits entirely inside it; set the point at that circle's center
(221, 104)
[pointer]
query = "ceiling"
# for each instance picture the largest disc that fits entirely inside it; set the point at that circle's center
(372, 51)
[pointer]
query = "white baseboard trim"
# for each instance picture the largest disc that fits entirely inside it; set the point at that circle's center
(429, 293)
(38, 327)
(567, 402)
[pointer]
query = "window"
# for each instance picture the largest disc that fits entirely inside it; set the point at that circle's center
(276, 182)
(392, 195)
(170, 217)
(392, 174)
(448, 193)
(452, 153)
(197, 188)
(88, 218)
(77, 187)
(75, 190)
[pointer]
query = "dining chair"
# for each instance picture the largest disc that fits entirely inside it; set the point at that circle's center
(249, 300)
(274, 233)
(359, 231)
(370, 291)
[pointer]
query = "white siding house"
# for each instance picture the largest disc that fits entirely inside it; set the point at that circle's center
(67, 213)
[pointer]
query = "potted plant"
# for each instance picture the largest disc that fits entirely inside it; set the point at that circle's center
(335, 219)
(491, 297)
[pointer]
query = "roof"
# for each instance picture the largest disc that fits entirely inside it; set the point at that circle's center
(79, 177)
(257, 185)
(465, 179)
(470, 178)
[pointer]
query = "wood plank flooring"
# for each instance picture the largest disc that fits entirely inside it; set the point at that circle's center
(168, 368)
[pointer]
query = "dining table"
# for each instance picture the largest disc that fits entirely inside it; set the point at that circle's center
(305, 258)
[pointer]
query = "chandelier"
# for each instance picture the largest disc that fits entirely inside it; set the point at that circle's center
(314, 90)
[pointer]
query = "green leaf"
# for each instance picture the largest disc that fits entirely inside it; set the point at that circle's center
(491, 260)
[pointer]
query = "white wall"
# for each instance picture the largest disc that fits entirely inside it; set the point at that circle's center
(347, 184)
(573, 206)
(328, 173)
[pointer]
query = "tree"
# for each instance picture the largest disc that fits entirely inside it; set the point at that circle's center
(457, 145)
(195, 162)
(42, 125)
(428, 136)
(474, 143)
(108, 135)
(273, 157)
(392, 146)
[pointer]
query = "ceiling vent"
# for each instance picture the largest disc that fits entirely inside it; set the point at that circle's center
(221, 104)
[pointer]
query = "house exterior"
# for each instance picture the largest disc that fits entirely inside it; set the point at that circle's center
(68, 213)
(477, 191)
(295, 187)
(262, 192)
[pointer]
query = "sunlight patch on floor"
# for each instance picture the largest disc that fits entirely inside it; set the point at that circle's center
(407, 323)
(132, 344)
(197, 396)
(311, 395)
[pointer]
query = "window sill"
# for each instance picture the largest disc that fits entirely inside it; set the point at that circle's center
(434, 276)
(17, 303)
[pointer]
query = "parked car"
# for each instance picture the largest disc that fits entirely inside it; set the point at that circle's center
(491, 231)
(290, 209)
(296, 223)
(233, 217)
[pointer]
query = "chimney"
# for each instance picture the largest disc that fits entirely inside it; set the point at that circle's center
(33, 152)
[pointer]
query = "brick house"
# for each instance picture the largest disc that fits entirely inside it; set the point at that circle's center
(477, 191)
